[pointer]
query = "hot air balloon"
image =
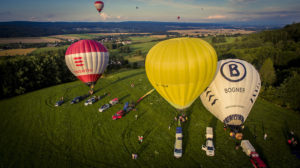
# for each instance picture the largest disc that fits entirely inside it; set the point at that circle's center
(178, 17)
(232, 93)
(87, 60)
(180, 69)
(99, 5)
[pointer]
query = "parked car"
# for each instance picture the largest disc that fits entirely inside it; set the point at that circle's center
(59, 103)
(119, 115)
(209, 147)
(91, 100)
(114, 101)
(178, 143)
(104, 107)
(76, 100)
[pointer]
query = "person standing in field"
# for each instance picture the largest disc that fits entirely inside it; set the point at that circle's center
(265, 136)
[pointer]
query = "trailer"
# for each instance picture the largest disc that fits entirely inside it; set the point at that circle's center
(254, 156)
(209, 133)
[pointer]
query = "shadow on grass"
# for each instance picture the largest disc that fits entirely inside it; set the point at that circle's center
(126, 77)
(98, 90)
(185, 128)
(213, 124)
(124, 97)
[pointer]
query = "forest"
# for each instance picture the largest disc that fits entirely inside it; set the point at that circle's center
(275, 54)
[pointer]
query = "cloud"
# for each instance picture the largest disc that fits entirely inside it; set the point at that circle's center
(104, 16)
(241, 1)
(33, 18)
(216, 17)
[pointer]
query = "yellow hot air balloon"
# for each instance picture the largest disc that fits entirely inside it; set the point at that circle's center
(180, 69)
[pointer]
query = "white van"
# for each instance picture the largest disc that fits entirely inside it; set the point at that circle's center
(178, 143)
(209, 145)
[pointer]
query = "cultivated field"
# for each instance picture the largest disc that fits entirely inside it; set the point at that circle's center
(207, 32)
(13, 52)
(28, 40)
(34, 133)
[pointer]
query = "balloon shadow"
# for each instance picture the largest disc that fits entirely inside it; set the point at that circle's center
(96, 91)
(124, 97)
(185, 127)
(126, 77)
(213, 124)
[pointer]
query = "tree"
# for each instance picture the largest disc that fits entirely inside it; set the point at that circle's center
(267, 72)
(289, 91)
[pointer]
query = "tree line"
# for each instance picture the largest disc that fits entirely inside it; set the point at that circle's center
(21, 74)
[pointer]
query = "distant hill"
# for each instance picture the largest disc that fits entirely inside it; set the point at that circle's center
(37, 29)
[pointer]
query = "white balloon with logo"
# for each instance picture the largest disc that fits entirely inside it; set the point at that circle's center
(233, 91)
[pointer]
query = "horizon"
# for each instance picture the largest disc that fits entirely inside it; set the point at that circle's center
(253, 12)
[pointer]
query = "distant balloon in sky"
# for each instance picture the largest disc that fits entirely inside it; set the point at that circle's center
(232, 93)
(87, 60)
(178, 17)
(180, 69)
(99, 5)
(136, 7)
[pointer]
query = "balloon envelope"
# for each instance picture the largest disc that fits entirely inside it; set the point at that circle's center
(99, 5)
(180, 69)
(232, 93)
(87, 60)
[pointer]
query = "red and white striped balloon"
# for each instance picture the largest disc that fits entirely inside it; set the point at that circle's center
(99, 5)
(87, 60)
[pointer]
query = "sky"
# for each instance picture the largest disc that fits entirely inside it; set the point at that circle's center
(204, 11)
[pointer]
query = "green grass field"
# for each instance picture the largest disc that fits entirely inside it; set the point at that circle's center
(144, 47)
(34, 133)
(142, 39)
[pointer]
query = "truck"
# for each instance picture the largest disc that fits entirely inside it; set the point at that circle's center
(178, 143)
(253, 155)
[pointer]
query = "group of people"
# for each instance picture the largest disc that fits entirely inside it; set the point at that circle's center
(140, 140)
(182, 118)
(292, 140)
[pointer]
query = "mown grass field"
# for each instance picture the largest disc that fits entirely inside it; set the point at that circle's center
(28, 40)
(34, 133)
(143, 39)
(13, 52)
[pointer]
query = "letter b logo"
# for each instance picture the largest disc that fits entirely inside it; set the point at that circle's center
(233, 71)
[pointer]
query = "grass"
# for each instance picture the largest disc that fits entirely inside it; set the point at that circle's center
(34, 133)
(14, 52)
(135, 59)
(47, 49)
(144, 47)
(142, 39)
